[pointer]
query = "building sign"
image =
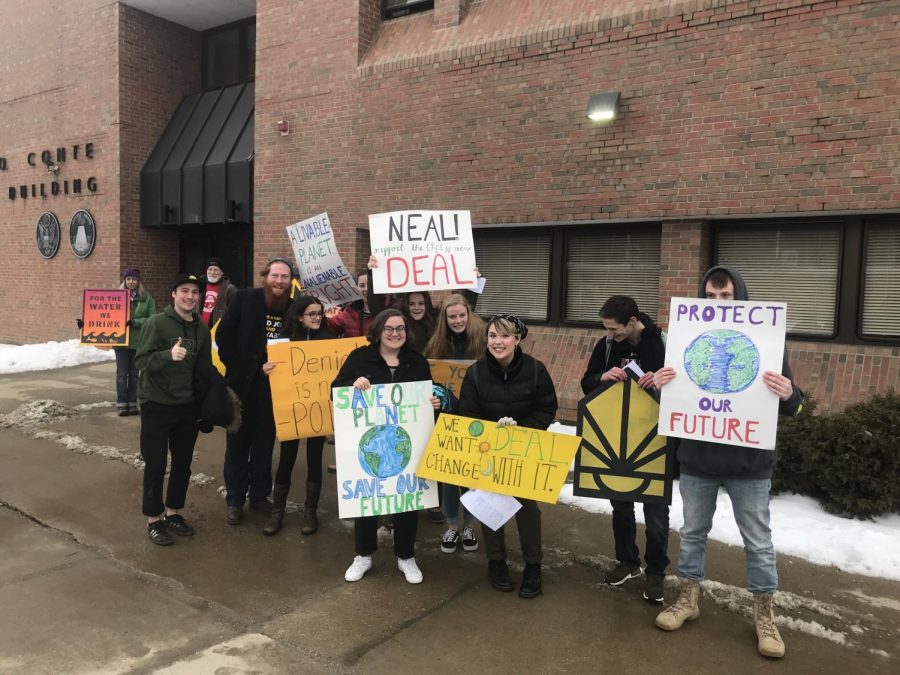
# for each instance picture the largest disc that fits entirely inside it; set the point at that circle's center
(82, 233)
(51, 161)
(47, 234)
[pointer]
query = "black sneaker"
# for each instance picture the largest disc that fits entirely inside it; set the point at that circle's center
(159, 534)
(531, 581)
(469, 541)
(498, 573)
(450, 541)
(436, 516)
(123, 412)
(653, 588)
(621, 573)
(177, 525)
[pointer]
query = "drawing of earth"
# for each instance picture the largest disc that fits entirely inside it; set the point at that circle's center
(384, 450)
(722, 361)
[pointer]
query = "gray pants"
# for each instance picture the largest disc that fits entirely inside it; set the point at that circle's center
(528, 522)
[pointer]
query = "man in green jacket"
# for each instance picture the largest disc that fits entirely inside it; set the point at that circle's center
(173, 358)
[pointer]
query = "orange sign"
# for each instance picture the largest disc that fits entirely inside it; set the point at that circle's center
(105, 316)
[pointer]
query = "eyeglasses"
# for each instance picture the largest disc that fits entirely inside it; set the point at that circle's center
(391, 330)
(313, 315)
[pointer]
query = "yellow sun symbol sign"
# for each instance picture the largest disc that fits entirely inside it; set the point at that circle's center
(621, 455)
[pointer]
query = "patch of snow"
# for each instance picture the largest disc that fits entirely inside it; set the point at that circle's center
(49, 356)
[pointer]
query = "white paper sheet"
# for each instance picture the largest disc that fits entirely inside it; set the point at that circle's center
(490, 508)
(635, 368)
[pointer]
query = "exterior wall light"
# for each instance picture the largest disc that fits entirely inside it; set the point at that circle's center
(603, 107)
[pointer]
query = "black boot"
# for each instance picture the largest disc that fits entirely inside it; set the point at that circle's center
(498, 573)
(310, 517)
(531, 581)
(279, 502)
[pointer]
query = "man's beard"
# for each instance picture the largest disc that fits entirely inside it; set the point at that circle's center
(273, 300)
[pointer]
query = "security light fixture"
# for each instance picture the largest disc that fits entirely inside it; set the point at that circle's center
(602, 107)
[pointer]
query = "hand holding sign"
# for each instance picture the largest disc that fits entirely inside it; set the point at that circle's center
(778, 384)
(178, 350)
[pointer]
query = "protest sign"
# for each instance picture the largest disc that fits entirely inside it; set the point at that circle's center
(379, 437)
(422, 251)
(105, 316)
(449, 372)
(301, 384)
(622, 456)
(511, 460)
(720, 350)
(322, 272)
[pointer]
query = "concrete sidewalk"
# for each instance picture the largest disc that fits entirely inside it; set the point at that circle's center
(82, 589)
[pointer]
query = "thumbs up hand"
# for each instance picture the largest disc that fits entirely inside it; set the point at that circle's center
(178, 351)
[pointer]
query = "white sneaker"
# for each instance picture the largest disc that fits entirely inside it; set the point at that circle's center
(357, 570)
(410, 570)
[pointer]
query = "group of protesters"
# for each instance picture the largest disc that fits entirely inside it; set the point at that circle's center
(504, 385)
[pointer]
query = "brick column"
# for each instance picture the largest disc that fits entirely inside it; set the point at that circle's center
(684, 255)
(449, 13)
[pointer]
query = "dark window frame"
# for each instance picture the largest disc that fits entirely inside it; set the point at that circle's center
(414, 7)
(851, 271)
(245, 72)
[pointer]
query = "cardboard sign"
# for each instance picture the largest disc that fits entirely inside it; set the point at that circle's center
(322, 272)
(622, 456)
(422, 251)
(449, 372)
(720, 350)
(515, 461)
(301, 384)
(105, 315)
(379, 437)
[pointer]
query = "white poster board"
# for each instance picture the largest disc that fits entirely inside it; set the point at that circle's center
(379, 437)
(720, 350)
(322, 272)
(422, 251)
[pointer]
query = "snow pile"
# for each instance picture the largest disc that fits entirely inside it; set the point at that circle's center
(50, 355)
(35, 414)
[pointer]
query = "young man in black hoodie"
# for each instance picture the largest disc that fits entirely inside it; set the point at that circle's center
(746, 474)
(632, 336)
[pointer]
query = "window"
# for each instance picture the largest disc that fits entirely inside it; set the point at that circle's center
(229, 54)
(796, 263)
(880, 285)
(620, 261)
(395, 8)
(516, 265)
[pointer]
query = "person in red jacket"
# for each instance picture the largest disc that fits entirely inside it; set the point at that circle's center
(354, 319)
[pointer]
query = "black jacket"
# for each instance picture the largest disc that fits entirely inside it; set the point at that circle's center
(524, 391)
(650, 354)
(298, 333)
(367, 362)
(705, 459)
(242, 341)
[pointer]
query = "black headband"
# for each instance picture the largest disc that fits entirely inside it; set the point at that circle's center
(521, 328)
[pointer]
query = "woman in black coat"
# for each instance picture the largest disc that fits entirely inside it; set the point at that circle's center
(510, 387)
(303, 321)
(385, 360)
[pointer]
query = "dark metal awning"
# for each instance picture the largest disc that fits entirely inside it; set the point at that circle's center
(201, 170)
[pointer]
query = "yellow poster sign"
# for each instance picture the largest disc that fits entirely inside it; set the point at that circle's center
(214, 351)
(449, 373)
(515, 461)
(621, 455)
(301, 384)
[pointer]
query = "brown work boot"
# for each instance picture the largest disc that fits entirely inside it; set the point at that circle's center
(310, 517)
(685, 608)
(769, 642)
(234, 515)
(279, 502)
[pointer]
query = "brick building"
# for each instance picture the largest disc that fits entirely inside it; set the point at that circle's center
(763, 133)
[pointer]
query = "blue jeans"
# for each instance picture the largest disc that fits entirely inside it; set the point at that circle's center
(750, 504)
(656, 519)
(452, 506)
(126, 378)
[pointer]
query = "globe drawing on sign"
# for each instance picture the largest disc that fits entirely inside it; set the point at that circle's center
(722, 361)
(384, 450)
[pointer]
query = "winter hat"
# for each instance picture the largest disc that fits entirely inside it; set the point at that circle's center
(185, 278)
(215, 261)
(131, 272)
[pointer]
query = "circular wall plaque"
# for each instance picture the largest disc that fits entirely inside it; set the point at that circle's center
(47, 235)
(82, 233)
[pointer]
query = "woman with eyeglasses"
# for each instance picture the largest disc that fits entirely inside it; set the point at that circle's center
(385, 360)
(303, 322)
(510, 387)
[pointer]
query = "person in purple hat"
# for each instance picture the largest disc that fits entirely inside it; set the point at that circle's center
(142, 308)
